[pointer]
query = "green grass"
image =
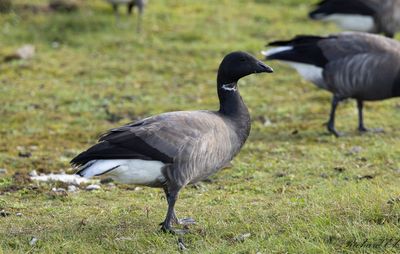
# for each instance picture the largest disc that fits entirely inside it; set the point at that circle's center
(294, 193)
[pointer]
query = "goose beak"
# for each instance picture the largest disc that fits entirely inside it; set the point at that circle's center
(262, 67)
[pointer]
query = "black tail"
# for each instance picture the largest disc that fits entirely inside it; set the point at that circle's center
(328, 7)
(303, 49)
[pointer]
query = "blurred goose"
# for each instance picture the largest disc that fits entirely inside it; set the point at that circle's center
(373, 16)
(174, 149)
(140, 4)
(354, 65)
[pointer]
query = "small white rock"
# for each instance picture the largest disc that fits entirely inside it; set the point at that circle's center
(26, 51)
(33, 241)
(65, 178)
(138, 188)
(3, 171)
(111, 186)
(58, 190)
(242, 237)
(19, 214)
(355, 149)
(55, 44)
(93, 187)
(267, 122)
(33, 173)
(72, 188)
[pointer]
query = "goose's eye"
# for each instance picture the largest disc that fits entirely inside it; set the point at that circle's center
(242, 59)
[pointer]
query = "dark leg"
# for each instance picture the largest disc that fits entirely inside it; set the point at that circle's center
(130, 7)
(166, 225)
(115, 8)
(172, 196)
(361, 126)
(331, 122)
(174, 219)
(139, 21)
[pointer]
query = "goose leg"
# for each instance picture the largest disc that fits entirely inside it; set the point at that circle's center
(171, 217)
(361, 126)
(139, 21)
(115, 8)
(174, 219)
(166, 226)
(130, 7)
(331, 122)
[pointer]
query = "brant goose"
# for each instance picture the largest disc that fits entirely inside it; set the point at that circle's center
(140, 4)
(361, 66)
(374, 16)
(174, 149)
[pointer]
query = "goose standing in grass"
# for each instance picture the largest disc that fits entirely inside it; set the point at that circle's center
(361, 66)
(373, 16)
(174, 149)
(139, 4)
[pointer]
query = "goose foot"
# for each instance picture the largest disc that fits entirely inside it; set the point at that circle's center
(183, 222)
(362, 129)
(186, 222)
(174, 231)
(335, 132)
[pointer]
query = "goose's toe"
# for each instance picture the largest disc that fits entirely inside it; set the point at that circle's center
(186, 221)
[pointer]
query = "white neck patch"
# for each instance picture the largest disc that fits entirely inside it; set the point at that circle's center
(229, 87)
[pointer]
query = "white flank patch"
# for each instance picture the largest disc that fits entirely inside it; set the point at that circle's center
(309, 72)
(353, 22)
(141, 172)
(276, 50)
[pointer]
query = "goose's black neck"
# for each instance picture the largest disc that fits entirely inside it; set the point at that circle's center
(231, 103)
(233, 108)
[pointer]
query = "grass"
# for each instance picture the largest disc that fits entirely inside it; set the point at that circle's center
(294, 188)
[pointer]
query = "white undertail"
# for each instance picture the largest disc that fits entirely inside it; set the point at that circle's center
(361, 23)
(307, 71)
(132, 171)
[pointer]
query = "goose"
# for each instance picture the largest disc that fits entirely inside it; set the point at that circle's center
(365, 67)
(174, 149)
(140, 4)
(373, 16)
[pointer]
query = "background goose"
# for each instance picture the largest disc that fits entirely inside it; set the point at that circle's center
(140, 4)
(174, 149)
(349, 65)
(374, 16)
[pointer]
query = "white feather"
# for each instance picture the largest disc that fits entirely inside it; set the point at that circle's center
(353, 22)
(309, 72)
(276, 50)
(141, 172)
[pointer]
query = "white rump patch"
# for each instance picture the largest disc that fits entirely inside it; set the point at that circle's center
(272, 51)
(309, 72)
(142, 172)
(361, 23)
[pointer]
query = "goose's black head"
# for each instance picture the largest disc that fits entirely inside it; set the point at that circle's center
(237, 65)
